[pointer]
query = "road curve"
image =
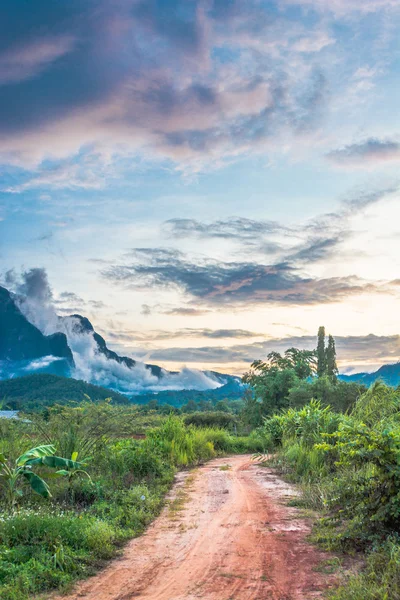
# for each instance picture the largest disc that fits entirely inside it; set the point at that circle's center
(233, 537)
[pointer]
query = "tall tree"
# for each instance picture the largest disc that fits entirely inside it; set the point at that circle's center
(331, 366)
(272, 380)
(321, 353)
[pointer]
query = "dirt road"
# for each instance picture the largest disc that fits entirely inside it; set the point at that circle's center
(227, 534)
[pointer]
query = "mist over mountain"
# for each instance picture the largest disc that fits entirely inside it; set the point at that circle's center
(35, 339)
(24, 348)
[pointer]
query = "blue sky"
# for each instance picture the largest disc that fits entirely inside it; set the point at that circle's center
(207, 179)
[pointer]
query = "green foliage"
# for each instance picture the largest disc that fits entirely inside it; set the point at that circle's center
(251, 414)
(372, 457)
(380, 580)
(211, 419)
(271, 385)
(340, 395)
(331, 366)
(272, 381)
(38, 391)
(11, 475)
(378, 402)
(49, 542)
(321, 354)
(349, 466)
(131, 458)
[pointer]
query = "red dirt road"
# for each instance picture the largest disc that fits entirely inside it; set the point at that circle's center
(228, 535)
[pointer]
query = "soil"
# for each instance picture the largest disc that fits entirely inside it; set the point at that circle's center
(227, 533)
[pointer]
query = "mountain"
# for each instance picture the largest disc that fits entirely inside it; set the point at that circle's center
(22, 343)
(76, 350)
(82, 325)
(34, 392)
(389, 374)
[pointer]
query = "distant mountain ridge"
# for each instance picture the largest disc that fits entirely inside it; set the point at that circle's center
(389, 374)
(24, 350)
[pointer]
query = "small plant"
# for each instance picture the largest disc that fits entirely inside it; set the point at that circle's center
(39, 456)
(74, 468)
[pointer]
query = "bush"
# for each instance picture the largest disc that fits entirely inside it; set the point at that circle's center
(218, 419)
(380, 580)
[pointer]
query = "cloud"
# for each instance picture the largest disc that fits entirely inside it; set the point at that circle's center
(149, 77)
(316, 249)
(216, 283)
(35, 299)
(69, 297)
(361, 353)
(88, 174)
(28, 60)
(159, 335)
(373, 151)
(315, 43)
(237, 283)
(345, 7)
(237, 228)
(185, 311)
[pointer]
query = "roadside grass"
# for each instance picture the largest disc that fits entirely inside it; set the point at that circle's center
(48, 544)
(347, 467)
(178, 503)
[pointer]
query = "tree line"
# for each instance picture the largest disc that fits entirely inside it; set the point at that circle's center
(294, 378)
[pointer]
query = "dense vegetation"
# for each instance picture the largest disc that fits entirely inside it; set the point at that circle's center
(232, 392)
(296, 378)
(76, 483)
(341, 442)
(36, 392)
(78, 480)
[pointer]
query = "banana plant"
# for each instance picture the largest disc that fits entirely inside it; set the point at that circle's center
(23, 469)
(74, 468)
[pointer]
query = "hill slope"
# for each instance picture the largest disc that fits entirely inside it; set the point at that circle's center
(233, 389)
(34, 392)
(21, 342)
(389, 374)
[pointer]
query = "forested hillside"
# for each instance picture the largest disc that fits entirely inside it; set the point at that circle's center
(35, 392)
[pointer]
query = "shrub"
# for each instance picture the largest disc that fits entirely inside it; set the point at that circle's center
(219, 419)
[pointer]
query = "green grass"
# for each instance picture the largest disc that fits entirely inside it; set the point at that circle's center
(47, 544)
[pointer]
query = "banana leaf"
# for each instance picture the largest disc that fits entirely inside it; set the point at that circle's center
(34, 453)
(37, 484)
(56, 462)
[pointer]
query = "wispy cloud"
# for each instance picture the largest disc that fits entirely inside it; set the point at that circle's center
(28, 60)
(346, 7)
(192, 333)
(233, 228)
(370, 152)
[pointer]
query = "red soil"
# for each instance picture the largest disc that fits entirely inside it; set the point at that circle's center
(234, 538)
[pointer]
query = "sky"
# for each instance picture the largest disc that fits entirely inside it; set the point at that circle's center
(207, 180)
